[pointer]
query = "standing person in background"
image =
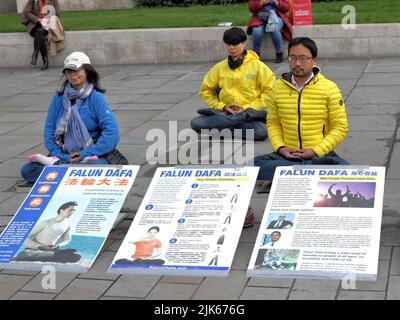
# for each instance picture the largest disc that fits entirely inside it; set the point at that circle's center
(263, 12)
(32, 15)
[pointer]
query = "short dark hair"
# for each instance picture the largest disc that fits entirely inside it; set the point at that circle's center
(66, 206)
(276, 232)
(307, 42)
(234, 36)
(155, 228)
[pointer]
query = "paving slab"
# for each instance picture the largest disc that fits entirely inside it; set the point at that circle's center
(372, 123)
(172, 291)
(186, 110)
(375, 94)
(99, 268)
(181, 279)
(142, 106)
(379, 79)
(24, 295)
(217, 288)
(164, 98)
(12, 145)
(7, 127)
(10, 206)
(12, 167)
(357, 146)
(314, 290)
(84, 289)
(381, 282)
(393, 292)
(61, 282)
(270, 282)
(394, 169)
(371, 109)
(132, 286)
(390, 235)
(10, 284)
(255, 293)
(385, 253)
(190, 86)
(395, 265)
(361, 295)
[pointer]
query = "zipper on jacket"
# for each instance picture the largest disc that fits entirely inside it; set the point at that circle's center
(323, 130)
(299, 115)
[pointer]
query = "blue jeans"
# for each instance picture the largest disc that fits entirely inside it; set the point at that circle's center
(32, 170)
(269, 162)
(276, 37)
(231, 122)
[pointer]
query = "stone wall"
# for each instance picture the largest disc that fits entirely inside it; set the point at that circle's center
(138, 46)
(8, 6)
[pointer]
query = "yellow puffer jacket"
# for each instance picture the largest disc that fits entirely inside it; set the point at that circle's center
(250, 85)
(315, 118)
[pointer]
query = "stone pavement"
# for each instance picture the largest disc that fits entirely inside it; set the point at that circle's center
(148, 96)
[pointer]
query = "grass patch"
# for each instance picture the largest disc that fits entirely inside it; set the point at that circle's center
(367, 11)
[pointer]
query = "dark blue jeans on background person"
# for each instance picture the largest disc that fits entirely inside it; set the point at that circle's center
(257, 35)
(237, 121)
(32, 170)
(269, 162)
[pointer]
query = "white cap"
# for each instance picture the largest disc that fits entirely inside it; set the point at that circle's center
(76, 60)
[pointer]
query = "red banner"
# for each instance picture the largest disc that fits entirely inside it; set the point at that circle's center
(302, 12)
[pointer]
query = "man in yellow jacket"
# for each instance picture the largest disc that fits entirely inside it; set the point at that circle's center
(307, 117)
(236, 91)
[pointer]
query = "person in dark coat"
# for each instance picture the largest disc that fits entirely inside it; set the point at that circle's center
(32, 15)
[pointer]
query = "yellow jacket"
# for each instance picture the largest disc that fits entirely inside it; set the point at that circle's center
(250, 85)
(315, 118)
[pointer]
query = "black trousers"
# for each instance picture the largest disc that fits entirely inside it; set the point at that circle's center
(39, 43)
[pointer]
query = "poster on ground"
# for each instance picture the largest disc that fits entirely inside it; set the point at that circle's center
(321, 222)
(189, 222)
(66, 218)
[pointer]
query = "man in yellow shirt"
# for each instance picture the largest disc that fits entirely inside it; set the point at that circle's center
(307, 117)
(236, 91)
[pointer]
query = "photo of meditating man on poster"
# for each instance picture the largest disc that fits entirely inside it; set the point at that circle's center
(145, 250)
(45, 242)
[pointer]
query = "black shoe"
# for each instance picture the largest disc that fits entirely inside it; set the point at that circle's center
(279, 58)
(208, 112)
(34, 58)
(256, 115)
(45, 63)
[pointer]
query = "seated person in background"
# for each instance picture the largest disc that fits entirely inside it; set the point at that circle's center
(236, 90)
(307, 118)
(80, 127)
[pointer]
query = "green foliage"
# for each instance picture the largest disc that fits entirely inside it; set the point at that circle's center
(185, 3)
(368, 11)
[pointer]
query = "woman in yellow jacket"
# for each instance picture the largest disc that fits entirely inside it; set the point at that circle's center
(307, 117)
(236, 90)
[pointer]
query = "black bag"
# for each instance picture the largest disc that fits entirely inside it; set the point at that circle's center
(116, 157)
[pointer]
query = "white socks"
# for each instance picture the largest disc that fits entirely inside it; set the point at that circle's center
(48, 161)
